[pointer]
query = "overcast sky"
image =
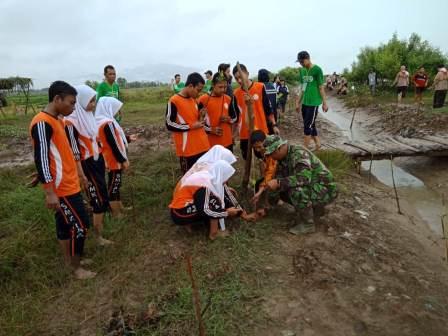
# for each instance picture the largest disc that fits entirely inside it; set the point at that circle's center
(49, 40)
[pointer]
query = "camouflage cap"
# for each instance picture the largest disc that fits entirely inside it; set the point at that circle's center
(272, 143)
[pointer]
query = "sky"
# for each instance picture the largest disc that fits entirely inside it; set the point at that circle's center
(68, 40)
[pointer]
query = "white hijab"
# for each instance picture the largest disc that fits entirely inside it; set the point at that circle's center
(83, 120)
(214, 154)
(106, 109)
(213, 176)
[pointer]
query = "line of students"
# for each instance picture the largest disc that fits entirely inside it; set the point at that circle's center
(197, 123)
(73, 147)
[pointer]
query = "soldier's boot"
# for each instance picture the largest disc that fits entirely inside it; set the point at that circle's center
(306, 224)
(318, 211)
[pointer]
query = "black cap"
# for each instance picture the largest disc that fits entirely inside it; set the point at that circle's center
(208, 72)
(302, 55)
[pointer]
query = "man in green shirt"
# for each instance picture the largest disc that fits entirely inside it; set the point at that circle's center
(108, 88)
(311, 95)
(176, 84)
(208, 82)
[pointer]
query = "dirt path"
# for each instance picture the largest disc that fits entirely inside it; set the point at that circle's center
(369, 271)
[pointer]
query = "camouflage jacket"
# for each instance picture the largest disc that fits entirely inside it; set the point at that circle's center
(301, 168)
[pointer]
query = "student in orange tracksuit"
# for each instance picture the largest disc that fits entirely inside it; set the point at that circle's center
(113, 145)
(263, 112)
(187, 125)
(221, 112)
(204, 196)
(82, 132)
(56, 170)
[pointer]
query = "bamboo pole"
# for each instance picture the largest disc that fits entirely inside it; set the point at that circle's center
(395, 187)
(249, 118)
(196, 298)
(353, 118)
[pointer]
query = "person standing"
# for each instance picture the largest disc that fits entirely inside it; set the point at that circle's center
(176, 84)
(221, 112)
(282, 95)
(56, 170)
(225, 68)
(262, 109)
(208, 81)
(402, 82)
(108, 88)
(440, 86)
(371, 79)
(271, 91)
(420, 80)
(187, 123)
(311, 96)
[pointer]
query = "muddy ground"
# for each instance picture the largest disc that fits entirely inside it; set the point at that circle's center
(370, 271)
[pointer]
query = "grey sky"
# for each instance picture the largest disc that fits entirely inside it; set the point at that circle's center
(49, 40)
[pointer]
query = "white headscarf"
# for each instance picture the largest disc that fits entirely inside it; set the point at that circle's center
(83, 120)
(106, 109)
(214, 154)
(213, 177)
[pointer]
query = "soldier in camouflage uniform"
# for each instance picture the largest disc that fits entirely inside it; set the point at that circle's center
(302, 180)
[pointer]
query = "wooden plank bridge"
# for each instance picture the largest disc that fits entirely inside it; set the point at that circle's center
(385, 147)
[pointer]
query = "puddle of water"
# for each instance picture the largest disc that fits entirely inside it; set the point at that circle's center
(426, 202)
(382, 171)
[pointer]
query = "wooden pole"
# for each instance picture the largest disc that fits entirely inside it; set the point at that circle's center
(353, 118)
(196, 298)
(393, 183)
(249, 118)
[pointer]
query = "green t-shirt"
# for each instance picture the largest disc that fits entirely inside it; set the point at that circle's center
(178, 87)
(208, 86)
(107, 90)
(311, 79)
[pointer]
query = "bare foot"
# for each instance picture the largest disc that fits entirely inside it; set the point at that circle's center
(86, 262)
(103, 242)
(219, 234)
(82, 274)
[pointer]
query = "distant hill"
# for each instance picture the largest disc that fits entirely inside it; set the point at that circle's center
(149, 72)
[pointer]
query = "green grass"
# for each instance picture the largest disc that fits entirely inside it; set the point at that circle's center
(147, 263)
(336, 161)
(138, 270)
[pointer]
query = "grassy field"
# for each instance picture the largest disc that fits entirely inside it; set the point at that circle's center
(144, 273)
(141, 107)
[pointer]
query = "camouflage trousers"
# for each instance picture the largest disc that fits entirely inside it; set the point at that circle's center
(317, 194)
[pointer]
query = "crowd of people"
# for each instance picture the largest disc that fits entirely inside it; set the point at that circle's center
(420, 80)
(79, 146)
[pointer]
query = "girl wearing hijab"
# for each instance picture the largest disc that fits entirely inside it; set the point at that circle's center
(114, 144)
(82, 132)
(202, 196)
